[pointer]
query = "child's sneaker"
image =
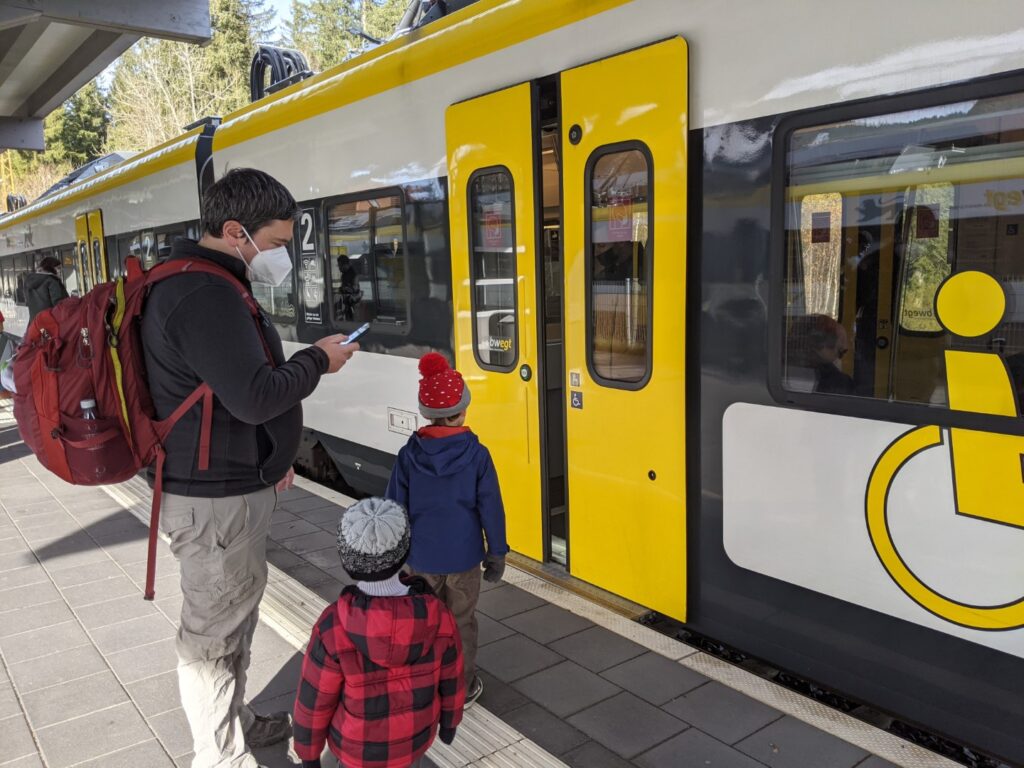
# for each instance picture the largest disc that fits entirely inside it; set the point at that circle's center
(475, 689)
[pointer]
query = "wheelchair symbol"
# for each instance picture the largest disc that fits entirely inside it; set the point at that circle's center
(986, 466)
(576, 400)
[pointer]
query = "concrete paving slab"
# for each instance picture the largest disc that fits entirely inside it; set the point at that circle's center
(93, 735)
(566, 688)
(9, 706)
(323, 558)
(506, 601)
(84, 574)
(597, 648)
(726, 714)
(100, 591)
(515, 657)
(20, 577)
(654, 678)
(18, 741)
(148, 754)
(489, 630)
(548, 623)
(44, 642)
(627, 725)
(29, 761)
(789, 743)
(546, 730)
(56, 669)
(287, 529)
(34, 617)
(499, 697)
(30, 595)
(144, 661)
(693, 747)
(133, 633)
(73, 699)
(114, 612)
(876, 762)
(593, 755)
(310, 542)
(157, 694)
(172, 730)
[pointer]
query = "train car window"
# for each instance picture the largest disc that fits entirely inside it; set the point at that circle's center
(492, 255)
(367, 247)
(619, 185)
(23, 265)
(880, 212)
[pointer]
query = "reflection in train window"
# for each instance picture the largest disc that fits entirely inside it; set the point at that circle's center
(492, 268)
(366, 240)
(619, 264)
(879, 212)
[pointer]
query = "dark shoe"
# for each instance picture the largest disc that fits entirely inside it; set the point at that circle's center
(473, 693)
(268, 729)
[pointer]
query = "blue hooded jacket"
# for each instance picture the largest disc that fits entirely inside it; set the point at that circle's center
(446, 480)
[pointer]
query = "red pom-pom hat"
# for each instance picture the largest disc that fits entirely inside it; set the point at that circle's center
(443, 393)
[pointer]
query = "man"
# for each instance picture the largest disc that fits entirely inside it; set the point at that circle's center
(197, 328)
(43, 288)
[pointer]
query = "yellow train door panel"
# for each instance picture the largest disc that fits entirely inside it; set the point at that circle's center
(97, 246)
(624, 127)
(90, 249)
(491, 199)
(83, 249)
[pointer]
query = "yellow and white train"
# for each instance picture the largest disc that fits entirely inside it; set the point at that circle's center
(739, 291)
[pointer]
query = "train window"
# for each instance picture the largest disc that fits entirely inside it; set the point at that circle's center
(619, 184)
(367, 260)
(880, 211)
(492, 257)
(23, 266)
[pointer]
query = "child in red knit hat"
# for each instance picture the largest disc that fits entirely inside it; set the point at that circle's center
(446, 480)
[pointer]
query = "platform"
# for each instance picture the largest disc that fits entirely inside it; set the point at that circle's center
(87, 675)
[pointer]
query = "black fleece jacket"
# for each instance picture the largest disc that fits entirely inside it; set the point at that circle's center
(197, 328)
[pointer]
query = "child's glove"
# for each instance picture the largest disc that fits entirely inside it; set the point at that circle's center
(447, 735)
(494, 567)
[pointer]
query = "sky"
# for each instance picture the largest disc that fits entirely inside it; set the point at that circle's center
(282, 7)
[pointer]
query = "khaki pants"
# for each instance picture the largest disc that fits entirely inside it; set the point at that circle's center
(221, 545)
(460, 592)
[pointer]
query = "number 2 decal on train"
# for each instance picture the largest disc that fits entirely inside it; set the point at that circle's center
(925, 523)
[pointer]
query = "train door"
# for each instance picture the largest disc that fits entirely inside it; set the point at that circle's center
(90, 248)
(568, 205)
(624, 130)
(492, 214)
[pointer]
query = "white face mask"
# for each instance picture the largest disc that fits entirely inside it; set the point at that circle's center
(270, 267)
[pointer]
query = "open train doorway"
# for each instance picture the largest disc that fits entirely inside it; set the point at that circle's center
(550, 317)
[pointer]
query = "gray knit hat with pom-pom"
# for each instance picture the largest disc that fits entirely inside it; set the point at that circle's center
(373, 539)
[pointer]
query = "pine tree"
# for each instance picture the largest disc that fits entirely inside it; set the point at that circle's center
(159, 86)
(381, 17)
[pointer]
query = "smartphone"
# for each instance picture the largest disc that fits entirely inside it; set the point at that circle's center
(354, 336)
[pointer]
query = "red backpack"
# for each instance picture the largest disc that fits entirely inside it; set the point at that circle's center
(90, 348)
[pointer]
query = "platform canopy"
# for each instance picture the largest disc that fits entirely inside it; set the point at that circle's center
(51, 48)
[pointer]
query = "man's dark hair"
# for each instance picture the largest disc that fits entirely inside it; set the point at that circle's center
(251, 197)
(49, 264)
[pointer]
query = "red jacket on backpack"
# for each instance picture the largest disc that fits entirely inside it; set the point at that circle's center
(380, 675)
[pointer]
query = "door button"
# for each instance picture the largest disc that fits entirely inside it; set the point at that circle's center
(525, 373)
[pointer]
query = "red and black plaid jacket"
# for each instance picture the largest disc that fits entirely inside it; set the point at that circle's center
(380, 675)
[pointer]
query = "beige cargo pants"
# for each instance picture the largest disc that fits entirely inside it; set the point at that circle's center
(221, 545)
(460, 592)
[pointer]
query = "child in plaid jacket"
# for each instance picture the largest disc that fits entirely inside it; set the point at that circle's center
(382, 675)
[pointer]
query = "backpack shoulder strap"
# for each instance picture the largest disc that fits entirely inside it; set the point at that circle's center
(167, 269)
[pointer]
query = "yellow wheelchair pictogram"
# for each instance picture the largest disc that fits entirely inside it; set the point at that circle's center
(986, 466)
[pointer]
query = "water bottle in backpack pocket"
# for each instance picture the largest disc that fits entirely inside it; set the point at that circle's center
(96, 449)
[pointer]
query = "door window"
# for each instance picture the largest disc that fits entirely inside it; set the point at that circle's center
(619, 264)
(492, 255)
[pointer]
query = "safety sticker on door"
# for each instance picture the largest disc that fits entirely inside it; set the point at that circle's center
(576, 399)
